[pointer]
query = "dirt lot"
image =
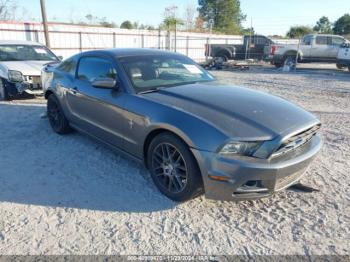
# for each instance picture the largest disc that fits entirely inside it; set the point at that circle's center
(70, 195)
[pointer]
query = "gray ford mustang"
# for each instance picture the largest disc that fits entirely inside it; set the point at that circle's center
(194, 134)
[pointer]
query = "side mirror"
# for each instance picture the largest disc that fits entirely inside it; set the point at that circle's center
(60, 57)
(107, 83)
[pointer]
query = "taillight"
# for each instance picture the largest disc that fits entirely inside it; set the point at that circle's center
(273, 49)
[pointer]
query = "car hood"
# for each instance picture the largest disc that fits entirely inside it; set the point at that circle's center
(32, 68)
(238, 112)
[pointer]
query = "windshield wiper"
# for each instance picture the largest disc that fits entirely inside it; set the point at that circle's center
(153, 90)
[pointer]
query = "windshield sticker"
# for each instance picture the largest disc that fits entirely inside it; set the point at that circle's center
(40, 50)
(193, 69)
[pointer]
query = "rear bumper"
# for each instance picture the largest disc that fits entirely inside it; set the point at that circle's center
(250, 178)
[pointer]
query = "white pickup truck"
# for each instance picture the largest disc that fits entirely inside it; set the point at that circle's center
(343, 59)
(312, 48)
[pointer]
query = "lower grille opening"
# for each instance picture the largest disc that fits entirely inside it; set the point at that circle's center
(252, 186)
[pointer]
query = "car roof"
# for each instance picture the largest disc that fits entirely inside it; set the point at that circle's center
(323, 35)
(18, 42)
(124, 52)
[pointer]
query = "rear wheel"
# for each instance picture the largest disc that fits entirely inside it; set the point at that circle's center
(290, 61)
(278, 65)
(3, 91)
(57, 119)
(173, 168)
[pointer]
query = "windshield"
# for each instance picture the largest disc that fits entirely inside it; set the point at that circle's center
(153, 72)
(25, 53)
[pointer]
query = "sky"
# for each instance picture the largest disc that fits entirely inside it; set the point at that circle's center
(268, 17)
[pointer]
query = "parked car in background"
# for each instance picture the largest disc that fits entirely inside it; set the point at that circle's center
(253, 47)
(20, 67)
(343, 58)
(312, 48)
(194, 134)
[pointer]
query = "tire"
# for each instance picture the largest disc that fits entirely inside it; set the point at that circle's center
(221, 58)
(173, 168)
(3, 91)
(278, 65)
(341, 67)
(290, 60)
(57, 119)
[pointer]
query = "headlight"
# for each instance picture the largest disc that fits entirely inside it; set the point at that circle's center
(15, 76)
(240, 148)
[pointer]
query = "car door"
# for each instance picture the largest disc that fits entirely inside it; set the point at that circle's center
(305, 46)
(320, 49)
(335, 42)
(98, 111)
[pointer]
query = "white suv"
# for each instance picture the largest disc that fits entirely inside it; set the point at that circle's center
(20, 67)
(343, 59)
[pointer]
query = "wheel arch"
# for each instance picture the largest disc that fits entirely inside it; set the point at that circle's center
(159, 130)
(48, 93)
(224, 52)
(293, 53)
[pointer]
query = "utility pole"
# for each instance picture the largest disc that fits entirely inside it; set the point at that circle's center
(46, 29)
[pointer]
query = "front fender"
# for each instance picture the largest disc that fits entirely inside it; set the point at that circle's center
(197, 134)
(149, 116)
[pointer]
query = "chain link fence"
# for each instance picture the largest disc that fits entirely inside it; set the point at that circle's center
(68, 39)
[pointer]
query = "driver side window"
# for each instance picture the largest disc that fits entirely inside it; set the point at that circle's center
(91, 68)
(307, 40)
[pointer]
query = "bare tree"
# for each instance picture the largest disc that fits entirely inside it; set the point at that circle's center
(190, 12)
(8, 9)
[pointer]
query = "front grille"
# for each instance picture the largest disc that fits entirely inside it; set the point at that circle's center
(296, 141)
(33, 81)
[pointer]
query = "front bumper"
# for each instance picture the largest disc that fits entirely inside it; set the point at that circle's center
(343, 62)
(251, 178)
(29, 87)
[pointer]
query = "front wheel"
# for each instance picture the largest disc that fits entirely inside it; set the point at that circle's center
(57, 119)
(3, 91)
(173, 168)
(341, 67)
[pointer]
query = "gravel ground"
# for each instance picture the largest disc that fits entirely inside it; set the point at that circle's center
(71, 195)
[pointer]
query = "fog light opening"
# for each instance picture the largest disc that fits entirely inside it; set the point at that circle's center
(251, 183)
(252, 186)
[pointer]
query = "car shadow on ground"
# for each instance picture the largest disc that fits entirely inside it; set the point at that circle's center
(39, 167)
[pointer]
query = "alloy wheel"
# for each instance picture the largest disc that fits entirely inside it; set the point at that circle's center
(169, 167)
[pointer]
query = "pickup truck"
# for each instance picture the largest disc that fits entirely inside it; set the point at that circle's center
(253, 47)
(343, 59)
(312, 48)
